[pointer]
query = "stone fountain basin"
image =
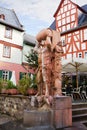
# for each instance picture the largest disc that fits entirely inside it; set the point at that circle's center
(33, 118)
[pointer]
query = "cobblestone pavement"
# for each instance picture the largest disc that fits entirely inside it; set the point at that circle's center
(5, 118)
(9, 123)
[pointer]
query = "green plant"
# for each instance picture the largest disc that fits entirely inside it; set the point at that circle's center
(1, 84)
(10, 85)
(33, 82)
(24, 84)
(32, 59)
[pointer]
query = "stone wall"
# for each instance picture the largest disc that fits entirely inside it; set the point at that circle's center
(14, 105)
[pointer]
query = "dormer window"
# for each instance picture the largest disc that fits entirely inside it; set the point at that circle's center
(2, 17)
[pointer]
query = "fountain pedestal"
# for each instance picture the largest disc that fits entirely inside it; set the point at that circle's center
(62, 111)
(38, 120)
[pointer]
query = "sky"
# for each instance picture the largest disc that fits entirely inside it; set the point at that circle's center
(35, 15)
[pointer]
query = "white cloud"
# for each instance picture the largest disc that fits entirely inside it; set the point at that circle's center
(41, 9)
(36, 10)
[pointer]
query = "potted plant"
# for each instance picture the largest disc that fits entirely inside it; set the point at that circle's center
(23, 84)
(11, 88)
(32, 89)
(3, 84)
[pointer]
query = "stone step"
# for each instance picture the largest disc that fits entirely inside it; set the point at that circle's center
(4, 119)
(81, 122)
(79, 105)
(80, 117)
(79, 111)
(85, 123)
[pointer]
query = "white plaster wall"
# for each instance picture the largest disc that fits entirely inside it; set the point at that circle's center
(1, 51)
(2, 32)
(69, 56)
(83, 46)
(16, 56)
(17, 36)
(26, 49)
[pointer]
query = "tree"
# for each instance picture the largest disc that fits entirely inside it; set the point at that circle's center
(32, 59)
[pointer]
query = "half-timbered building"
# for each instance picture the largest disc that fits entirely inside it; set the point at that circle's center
(71, 22)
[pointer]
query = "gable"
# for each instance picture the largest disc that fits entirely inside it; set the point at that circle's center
(66, 16)
(83, 9)
(69, 16)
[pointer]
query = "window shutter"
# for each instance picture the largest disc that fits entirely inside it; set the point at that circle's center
(10, 74)
(1, 73)
(21, 75)
(29, 74)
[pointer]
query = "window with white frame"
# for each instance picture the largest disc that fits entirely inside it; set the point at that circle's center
(63, 40)
(85, 55)
(8, 32)
(85, 34)
(6, 51)
(5, 75)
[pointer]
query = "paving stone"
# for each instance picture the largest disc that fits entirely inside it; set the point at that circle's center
(9, 123)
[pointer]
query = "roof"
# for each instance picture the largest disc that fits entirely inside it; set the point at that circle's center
(12, 66)
(83, 17)
(29, 40)
(84, 11)
(53, 25)
(11, 18)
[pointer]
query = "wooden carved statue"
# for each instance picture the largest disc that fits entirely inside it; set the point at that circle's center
(49, 51)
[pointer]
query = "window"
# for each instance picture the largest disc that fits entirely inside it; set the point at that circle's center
(8, 32)
(85, 34)
(63, 21)
(73, 18)
(80, 55)
(68, 26)
(86, 55)
(67, 13)
(5, 75)
(22, 74)
(63, 28)
(63, 15)
(73, 11)
(2, 17)
(68, 19)
(6, 51)
(59, 23)
(61, 10)
(63, 40)
(65, 8)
